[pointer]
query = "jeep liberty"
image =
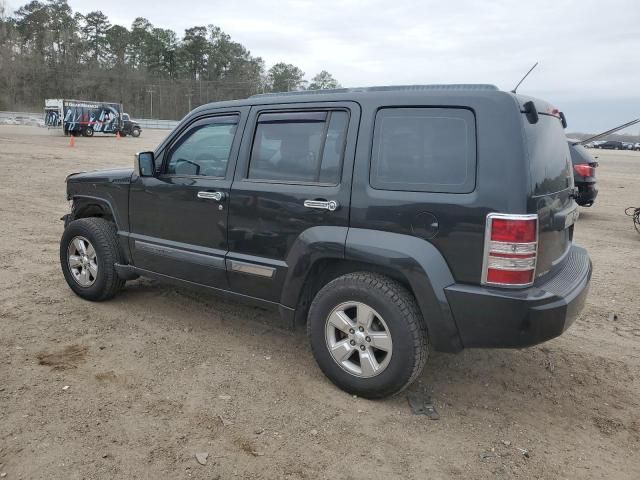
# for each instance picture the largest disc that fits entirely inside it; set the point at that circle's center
(388, 220)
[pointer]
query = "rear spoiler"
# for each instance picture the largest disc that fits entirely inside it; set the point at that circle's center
(608, 132)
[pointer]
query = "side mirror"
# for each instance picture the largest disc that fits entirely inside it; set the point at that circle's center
(145, 165)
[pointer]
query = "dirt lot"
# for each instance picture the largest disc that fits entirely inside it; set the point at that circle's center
(134, 387)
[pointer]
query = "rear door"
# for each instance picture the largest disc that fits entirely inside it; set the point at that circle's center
(552, 188)
(178, 218)
(294, 174)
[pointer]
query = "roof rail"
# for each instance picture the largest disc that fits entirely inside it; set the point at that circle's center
(390, 88)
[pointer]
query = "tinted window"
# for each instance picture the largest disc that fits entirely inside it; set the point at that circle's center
(424, 149)
(549, 157)
(204, 150)
(299, 148)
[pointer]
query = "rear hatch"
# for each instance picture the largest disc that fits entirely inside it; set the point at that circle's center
(551, 185)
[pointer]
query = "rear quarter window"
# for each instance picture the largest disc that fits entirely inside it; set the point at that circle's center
(424, 149)
(549, 156)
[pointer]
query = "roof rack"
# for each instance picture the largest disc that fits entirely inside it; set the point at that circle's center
(390, 88)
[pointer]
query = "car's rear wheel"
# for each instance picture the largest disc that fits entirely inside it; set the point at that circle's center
(88, 254)
(367, 334)
(88, 132)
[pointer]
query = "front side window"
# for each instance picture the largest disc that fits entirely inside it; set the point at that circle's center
(204, 150)
(305, 147)
(424, 149)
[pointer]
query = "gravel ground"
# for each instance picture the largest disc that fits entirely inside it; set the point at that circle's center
(135, 387)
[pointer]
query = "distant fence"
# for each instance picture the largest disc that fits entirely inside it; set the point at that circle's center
(160, 124)
(37, 120)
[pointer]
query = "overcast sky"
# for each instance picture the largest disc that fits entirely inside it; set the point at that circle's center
(588, 49)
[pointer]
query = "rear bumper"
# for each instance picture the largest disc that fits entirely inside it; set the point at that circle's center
(494, 317)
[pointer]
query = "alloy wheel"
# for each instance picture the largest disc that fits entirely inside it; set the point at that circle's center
(358, 339)
(82, 261)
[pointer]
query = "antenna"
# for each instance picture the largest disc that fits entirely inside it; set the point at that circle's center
(608, 132)
(525, 76)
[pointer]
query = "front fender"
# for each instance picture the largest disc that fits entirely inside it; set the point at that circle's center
(83, 203)
(107, 206)
(423, 267)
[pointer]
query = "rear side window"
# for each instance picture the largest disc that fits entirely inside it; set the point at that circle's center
(424, 149)
(549, 156)
(304, 147)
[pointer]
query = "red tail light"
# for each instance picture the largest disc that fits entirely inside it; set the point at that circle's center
(511, 250)
(584, 169)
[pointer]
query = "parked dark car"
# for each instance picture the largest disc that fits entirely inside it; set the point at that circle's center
(129, 127)
(611, 145)
(584, 174)
(389, 220)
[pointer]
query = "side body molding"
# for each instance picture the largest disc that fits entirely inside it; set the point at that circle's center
(423, 267)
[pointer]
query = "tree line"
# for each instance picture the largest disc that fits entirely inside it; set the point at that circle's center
(48, 51)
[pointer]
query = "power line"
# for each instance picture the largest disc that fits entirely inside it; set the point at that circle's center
(150, 92)
(189, 95)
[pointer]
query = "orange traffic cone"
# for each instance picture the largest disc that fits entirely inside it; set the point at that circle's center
(72, 141)
(118, 135)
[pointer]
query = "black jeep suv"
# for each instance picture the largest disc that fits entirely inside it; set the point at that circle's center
(390, 220)
(584, 174)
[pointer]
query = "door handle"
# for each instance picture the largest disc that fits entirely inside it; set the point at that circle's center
(217, 196)
(330, 205)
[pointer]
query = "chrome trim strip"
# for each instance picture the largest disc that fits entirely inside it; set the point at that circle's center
(251, 269)
(180, 255)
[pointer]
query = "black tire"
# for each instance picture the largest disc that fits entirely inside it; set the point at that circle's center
(397, 306)
(88, 132)
(102, 235)
(135, 132)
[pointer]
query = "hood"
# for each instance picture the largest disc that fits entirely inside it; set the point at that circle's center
(111, 175)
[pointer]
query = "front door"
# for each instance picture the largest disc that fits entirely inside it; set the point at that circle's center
(178, 218)
(293, 178)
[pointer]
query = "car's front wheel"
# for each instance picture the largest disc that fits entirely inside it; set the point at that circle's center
(135, 132)
(88, 254)
(367, 334)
